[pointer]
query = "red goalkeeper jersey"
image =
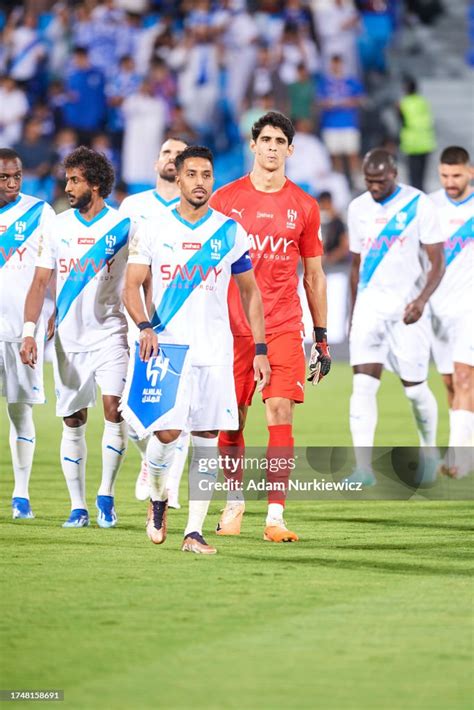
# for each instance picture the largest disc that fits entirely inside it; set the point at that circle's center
(282, 226)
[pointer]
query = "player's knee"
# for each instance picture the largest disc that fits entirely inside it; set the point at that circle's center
(463, 375)
(279, 411)
(449, 385)
(76, 420)
(168, 436)
(111, 409)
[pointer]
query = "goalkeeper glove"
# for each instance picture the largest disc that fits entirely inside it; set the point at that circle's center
(320, 359)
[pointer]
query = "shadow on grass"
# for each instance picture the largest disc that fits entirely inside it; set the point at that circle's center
(390, 523)
(415, 569)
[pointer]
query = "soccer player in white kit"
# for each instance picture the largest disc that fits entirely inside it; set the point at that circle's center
(153, 204)
(193, 252)
(452, 307)
(23, 219)
(87, 248)
(391, 229)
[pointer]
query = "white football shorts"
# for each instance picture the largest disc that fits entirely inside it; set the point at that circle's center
(403, 349)
(77, 375)
(20, 383)
(207, 401)
(452, 340)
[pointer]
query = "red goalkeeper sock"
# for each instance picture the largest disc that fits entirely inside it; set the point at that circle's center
(232, 444)
(280, 449)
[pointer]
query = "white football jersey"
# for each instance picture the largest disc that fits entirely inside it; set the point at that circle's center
(21, 225)
(89, 259)
(191, 267)
(146, 204)
(388, 236)
(456, 290)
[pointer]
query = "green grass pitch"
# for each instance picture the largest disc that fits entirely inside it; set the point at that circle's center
(372, 610)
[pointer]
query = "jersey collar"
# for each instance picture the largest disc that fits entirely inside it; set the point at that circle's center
(87, 223)
(458, 204)
(165, 202)
(9, 205)
(192, 225)
(391, 197)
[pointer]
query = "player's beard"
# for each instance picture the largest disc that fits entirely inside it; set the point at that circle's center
(457, 193)
(167, 176)
(197, 201)
(82, 201)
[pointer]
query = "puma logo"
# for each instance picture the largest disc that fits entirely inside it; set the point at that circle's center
(239, 212)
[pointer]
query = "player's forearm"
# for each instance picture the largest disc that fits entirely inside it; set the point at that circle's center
(253, 309)
(133, 303)
(354, 280)
(35, 299)
(316, 296)
(435, 275)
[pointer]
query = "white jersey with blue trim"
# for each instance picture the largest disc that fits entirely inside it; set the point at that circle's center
(456, 291)
(89, 258)
(146, 204)
(191, 267)
(22, 223)
(388, 236)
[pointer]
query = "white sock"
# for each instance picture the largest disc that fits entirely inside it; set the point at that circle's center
(178, 465)
(73, 461)
(141, 444)
(22, 445)
(363, 418)
(159, 458)
(275, 512)
(203, 449)
(114, 446)
(425, 411)
(461, 428)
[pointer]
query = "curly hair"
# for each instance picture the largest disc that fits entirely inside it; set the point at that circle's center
(96, 168)
(193, 151)
(276, 120)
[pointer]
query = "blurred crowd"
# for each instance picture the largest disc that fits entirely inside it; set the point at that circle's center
(122, 75)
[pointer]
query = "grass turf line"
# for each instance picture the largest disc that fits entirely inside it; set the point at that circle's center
(371, 610)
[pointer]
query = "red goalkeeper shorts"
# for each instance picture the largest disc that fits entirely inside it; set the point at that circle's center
(287, 360)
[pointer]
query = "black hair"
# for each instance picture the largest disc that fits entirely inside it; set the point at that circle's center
(379, 158)
(97, 169)
(324, 195)
(410, 84)
(276, 120)
(455, 155)
(9, 154)
(193, 151)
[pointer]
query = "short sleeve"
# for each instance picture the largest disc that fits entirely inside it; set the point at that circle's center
(429, 229)
(241, 245)
(140, 248)
(311, 239)
(355, 240)
(48, 240)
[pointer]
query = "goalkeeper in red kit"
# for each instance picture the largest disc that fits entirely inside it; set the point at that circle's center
(283, 225)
